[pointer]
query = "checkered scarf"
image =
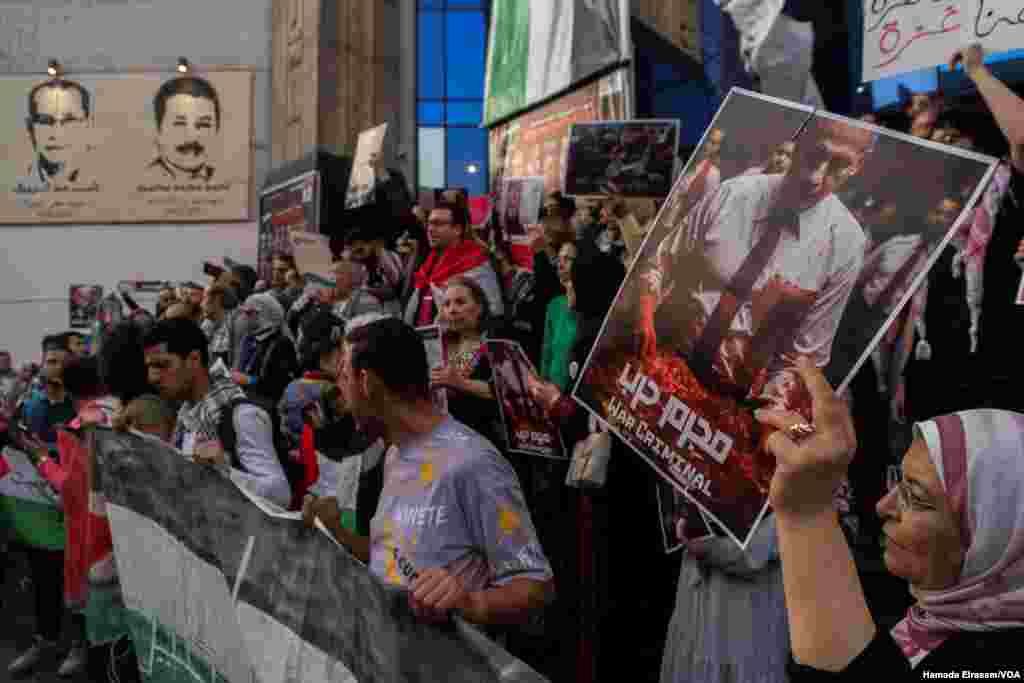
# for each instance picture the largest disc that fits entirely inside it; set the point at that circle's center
(202, 418)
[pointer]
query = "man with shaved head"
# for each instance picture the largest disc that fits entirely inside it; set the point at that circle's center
(760, 269)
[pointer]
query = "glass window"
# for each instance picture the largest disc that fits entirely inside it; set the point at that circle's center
(465, 113)
(431, 166)
(430, 58)
(467, 159)
(466, 37)
(451, 40)
(430, 112)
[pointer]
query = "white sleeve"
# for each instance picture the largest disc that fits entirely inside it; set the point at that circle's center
(261, 470)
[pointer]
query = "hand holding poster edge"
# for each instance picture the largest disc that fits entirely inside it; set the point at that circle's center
(953, 152)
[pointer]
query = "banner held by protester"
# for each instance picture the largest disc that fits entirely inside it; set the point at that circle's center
(220, 582)
(905, 36)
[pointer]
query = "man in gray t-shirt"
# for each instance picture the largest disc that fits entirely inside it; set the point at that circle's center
(452, 524)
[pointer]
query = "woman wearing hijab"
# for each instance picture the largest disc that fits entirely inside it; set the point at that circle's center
(267, 361)
(953, 528)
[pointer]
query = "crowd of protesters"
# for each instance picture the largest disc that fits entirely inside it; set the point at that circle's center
(324, 401)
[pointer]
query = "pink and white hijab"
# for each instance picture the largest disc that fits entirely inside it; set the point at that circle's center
(980, 458)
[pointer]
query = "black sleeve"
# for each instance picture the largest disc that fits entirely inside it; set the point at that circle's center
(545, 281)
(882, 659)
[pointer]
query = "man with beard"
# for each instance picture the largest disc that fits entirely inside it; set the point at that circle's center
(188, 118)
(451, 254)
(761, 269)
(452, 525)
(178, 361)
(59, 113)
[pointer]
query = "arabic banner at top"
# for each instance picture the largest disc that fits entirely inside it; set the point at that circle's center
(906, 35)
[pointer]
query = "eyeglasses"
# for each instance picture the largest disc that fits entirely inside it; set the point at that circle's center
(438, 224)
(905, 496)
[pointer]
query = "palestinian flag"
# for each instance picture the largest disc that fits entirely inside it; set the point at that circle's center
(220, 586)
(29, 507)
(539, 48)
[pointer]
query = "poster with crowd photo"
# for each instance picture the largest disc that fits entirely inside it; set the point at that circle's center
(83, 305)
(762, 252)
(907, 35)
(126, 148)
(369, 155)
(623, 158)
(528, 429)
(291, 206)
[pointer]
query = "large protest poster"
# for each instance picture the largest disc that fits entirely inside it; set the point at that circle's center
(223, 587)
(528, 428)
(126, 148)
(29, 507)
(83, 305)
(539, 48)
(738, 277)
(369, 157)
(291, 206)
(906, 35)
(622, 158)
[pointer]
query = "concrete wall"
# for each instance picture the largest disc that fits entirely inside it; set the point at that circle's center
(37, 263)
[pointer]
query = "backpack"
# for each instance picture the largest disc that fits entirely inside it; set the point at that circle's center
(293, 469)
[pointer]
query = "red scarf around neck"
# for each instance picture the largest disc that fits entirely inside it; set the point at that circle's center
(458, 258)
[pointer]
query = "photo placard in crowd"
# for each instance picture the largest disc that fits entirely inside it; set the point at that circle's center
(622, 158)
(293, 205)
(312, 252)
(907, 36)
(369, 158)
(83, 305)
(433, 342)
(759, 256)
(528, 428)
(127, 148)
(519, 206)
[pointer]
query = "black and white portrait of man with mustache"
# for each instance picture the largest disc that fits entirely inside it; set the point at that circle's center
(188, 118)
